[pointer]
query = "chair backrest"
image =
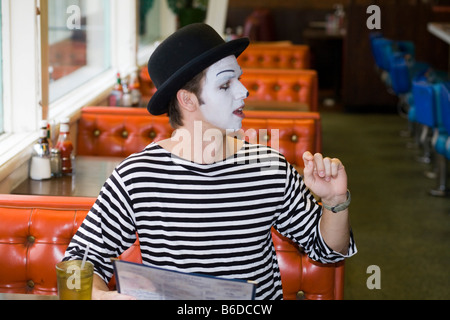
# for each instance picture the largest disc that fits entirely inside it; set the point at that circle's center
(399, 73)
(36, 230)
(445, 105)
(425, 102)
(382, 50)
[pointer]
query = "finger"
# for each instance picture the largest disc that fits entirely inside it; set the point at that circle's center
(308, 159)
(335, 166)
(319, 165)
(327, 167)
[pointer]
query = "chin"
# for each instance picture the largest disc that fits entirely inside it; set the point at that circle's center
(235, 127)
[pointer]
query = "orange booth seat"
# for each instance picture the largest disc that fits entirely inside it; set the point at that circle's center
(36, 230)
(300, 86)
(119, 132)
(267, 56)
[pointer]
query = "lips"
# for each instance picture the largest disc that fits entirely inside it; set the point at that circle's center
(239, 112)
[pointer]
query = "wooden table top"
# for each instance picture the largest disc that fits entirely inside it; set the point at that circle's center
(276, 106)
(20, 297)
(89, 176)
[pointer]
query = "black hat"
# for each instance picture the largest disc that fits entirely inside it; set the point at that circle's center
(182, 56)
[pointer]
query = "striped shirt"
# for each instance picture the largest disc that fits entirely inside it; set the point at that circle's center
(213, 219)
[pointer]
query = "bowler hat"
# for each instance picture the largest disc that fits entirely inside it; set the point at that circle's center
(182, 56)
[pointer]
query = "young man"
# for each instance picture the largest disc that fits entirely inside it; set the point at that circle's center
(203, 201)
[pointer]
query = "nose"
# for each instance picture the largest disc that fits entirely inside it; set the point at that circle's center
(242, 92)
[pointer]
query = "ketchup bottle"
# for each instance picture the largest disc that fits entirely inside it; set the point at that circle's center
(66, 147)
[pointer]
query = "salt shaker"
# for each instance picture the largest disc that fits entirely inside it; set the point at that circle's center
(55, 162)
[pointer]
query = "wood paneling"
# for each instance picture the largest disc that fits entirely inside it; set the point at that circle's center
(400, 19)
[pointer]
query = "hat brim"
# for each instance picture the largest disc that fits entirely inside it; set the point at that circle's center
(158, 104)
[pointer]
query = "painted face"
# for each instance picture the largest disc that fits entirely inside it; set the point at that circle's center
(223, 95)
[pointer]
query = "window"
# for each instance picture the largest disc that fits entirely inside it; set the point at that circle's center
(78, 43)
(1, 75)
(149, 22)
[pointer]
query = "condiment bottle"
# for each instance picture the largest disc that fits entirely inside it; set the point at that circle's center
(66, 147)
(40, 168)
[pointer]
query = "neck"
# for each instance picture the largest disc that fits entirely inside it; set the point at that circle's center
(198, 143)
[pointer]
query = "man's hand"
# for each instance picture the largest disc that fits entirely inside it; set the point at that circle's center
(326, 178)
(100, 291)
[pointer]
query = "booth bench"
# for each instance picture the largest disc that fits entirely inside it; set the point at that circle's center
(36, 230)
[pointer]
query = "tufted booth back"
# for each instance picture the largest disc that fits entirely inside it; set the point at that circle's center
(119, 132)
(268, 56)
(287, 85)
(36, 230)
(282, 85)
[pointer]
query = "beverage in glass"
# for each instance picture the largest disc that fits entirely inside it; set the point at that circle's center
(74, 283)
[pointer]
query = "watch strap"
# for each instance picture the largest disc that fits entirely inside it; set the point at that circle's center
(340, 207)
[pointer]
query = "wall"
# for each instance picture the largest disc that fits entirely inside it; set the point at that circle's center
(361, 86)
(400, 20)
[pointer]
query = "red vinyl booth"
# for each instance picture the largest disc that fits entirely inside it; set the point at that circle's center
(269, 56)
(36, 230)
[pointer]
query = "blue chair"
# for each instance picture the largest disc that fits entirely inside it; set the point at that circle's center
(442, 141)
(381, 49)
(445, 107)
(424, 101)
(400, 74)
(425, 106)
(431, 111)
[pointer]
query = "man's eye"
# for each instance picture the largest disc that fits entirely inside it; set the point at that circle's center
(225, 87)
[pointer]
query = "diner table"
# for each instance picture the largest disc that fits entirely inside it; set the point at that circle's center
(260, 105)
(90, 173)
(88, 178)
(29, 297)
(442, 31)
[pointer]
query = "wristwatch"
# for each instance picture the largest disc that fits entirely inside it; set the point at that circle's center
(340, 207)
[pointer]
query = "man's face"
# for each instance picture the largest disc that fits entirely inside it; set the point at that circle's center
(222, 98)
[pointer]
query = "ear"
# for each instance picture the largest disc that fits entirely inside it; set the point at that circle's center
(187, 100)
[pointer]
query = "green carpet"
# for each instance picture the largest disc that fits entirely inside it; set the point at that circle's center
(397, 225)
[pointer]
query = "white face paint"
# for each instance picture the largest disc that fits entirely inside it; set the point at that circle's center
(223, 95)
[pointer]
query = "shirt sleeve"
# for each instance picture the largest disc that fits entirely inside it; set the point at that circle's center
(299, 221)
(109, 229)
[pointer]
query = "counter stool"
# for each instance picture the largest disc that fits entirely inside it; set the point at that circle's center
(442, 143)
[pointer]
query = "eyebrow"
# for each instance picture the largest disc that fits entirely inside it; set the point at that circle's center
(224, 72)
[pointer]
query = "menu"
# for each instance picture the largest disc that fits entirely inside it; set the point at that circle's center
(152, 283)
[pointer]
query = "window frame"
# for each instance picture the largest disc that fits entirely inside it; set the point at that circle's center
(26, 22)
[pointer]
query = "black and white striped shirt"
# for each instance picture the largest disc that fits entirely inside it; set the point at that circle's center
(211, 219)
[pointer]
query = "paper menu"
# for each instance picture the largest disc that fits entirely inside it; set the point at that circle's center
(151, 283)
